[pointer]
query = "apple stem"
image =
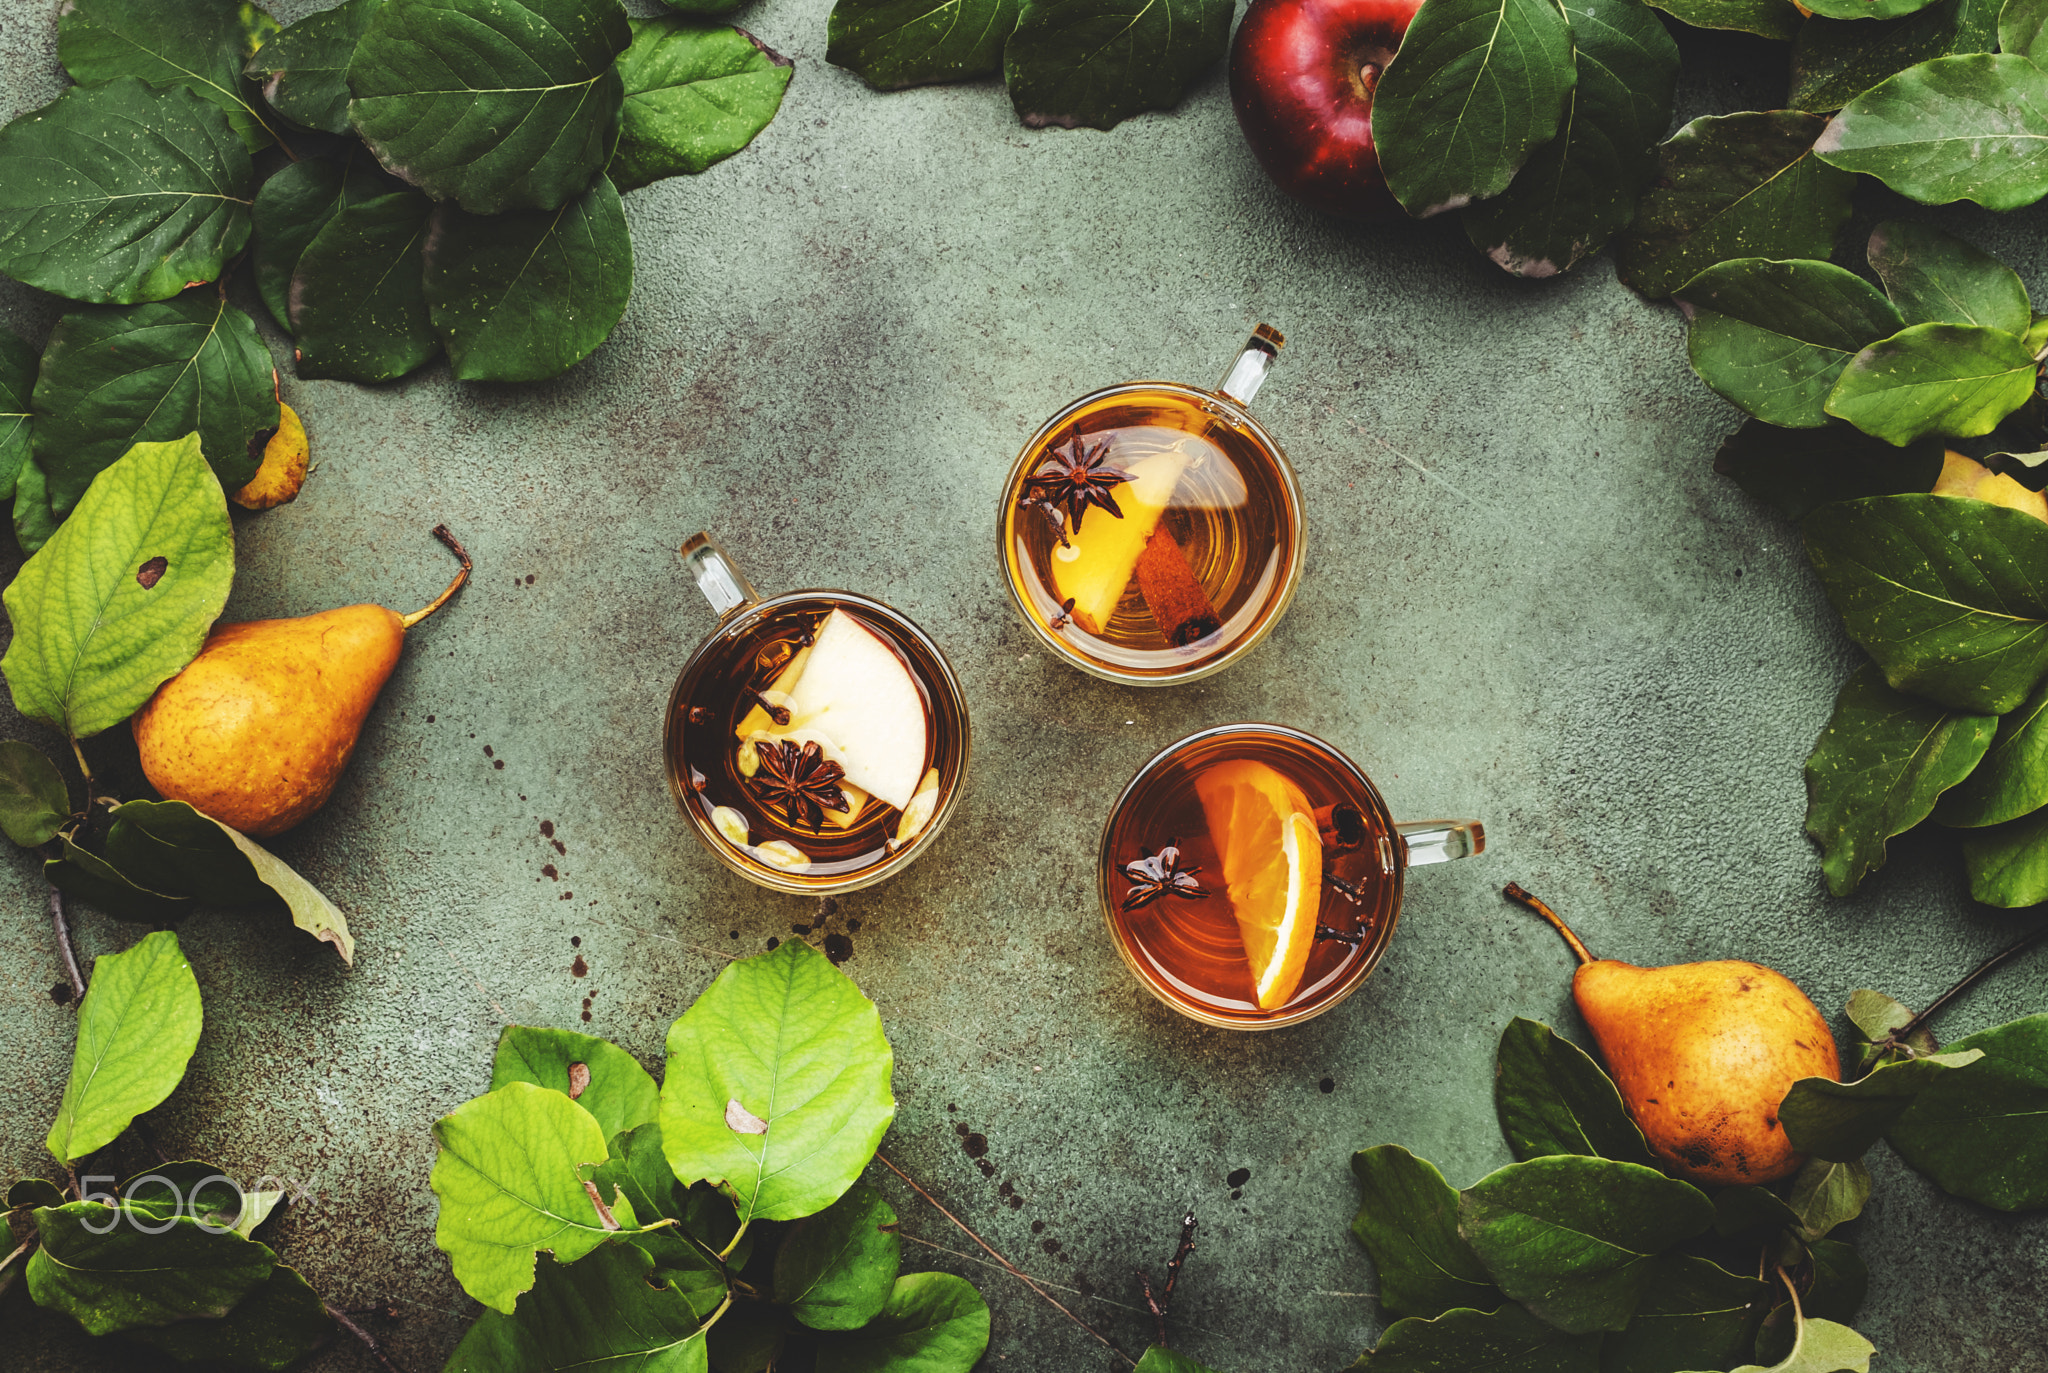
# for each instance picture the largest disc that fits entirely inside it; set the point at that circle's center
(455, 547)
(1513, 891)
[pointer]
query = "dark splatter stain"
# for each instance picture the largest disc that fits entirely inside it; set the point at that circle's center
(499, 765)
(575, 941)
(1082, 1285)
(560, 847)
(1038, 1227)
(1007, 1188)
(1239, 1177)
(1235, 1194)
(1016, 1203)
(773, 942)
(1328, 1084)
(152, 572)
(586, 1017)
(838, 948)
(1051, 1247)
(853, 927)
(487, 751)
(547, 829)
(976, 1145)
(735, 934)
(529, 579)
(430, 719)
(61, 993)
(951, 1109)
(568, 896)
(548, 871)
(988, 1170)
(579, 967)
(959, 1126)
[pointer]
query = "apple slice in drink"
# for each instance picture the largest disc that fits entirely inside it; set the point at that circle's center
(1105, 551)
(858, 695)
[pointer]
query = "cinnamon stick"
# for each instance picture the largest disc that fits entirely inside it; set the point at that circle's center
(1179, 606)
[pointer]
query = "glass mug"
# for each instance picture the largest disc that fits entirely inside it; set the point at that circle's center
(1152, 533)
(816, 740)
(1168, 872)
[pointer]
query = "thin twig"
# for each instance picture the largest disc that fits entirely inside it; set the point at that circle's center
(1160, 1304)
(1008, 1267)
(64, 949)
(1352, 937)
(2005, 954)
(368, 1340)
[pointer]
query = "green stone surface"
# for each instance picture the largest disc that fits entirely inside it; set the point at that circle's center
(1528, 599)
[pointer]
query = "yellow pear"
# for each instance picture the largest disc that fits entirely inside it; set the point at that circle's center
(257, 729)
(1703, 1053)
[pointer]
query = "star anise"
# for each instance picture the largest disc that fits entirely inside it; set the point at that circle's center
(802, 782)
(1076, 479)
(1161, 875)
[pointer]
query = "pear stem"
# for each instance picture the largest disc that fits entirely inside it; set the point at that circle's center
(1513, 891)
(455, 547)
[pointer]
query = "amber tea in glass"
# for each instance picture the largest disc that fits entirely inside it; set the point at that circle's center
(1186, 846)
(816, 740)
(1152, 532)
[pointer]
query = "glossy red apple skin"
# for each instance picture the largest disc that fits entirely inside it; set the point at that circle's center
(1302, 74)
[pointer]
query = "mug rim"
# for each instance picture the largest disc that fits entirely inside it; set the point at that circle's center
(1105, 866)
(1290, 581)
(760, 874)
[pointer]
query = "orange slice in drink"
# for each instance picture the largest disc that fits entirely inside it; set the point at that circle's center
(1265, 832)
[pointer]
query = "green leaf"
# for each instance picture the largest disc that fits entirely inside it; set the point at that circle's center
(703, 6)
(497, 104)
(604, 1311)
(1877, 769)
(304, 70)
(84, 876)
(1098, 62)
(1955, 380)
(1796, 470)
(1827, 1194)
(30, 1192)
(789, 1038)
(118, 193)
(2012, 781)
(1878, 1017)
(1579, 190)
(1509, 1340)
(1840, 1280)
(34, 522)
(1575, 1239)
(615, 1088)
(1839, 1121)
(123, 1278)
(1822, 1347)
(2021, 26)
(137, 1028)
(177, 849)
(835, 1270)
(696, 94)
(1691, 1312)
(1739, 185)
(528, 294)
(34, 802)
(1739, 1210)
(1159, 1359)
(897, 43)
(750, 1338)
(197, 44)
(1864, 9)
(2008, 864)
(200, 1190)
(294, 205)
(1983, 1133)
(1948, 595)
(706, 1223)
(358, 302)
(1408, 1221)
(1552, 1098)
(1955, 128)
(1477, 86)
(1936, 278)
(932, 1323)
(510, 1179)
(1835, 60)
(1765, 18)
(151, 374)
(1773, 336)
(18, 364)
(91, 642)
(271, 1329)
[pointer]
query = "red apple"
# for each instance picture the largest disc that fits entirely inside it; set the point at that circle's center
(1302, 74)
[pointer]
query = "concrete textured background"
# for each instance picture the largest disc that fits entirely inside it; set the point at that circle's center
(1528, 599)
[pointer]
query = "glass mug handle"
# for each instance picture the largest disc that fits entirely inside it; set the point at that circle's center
(1439, 841)
(717, 576)
(1248, 373)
